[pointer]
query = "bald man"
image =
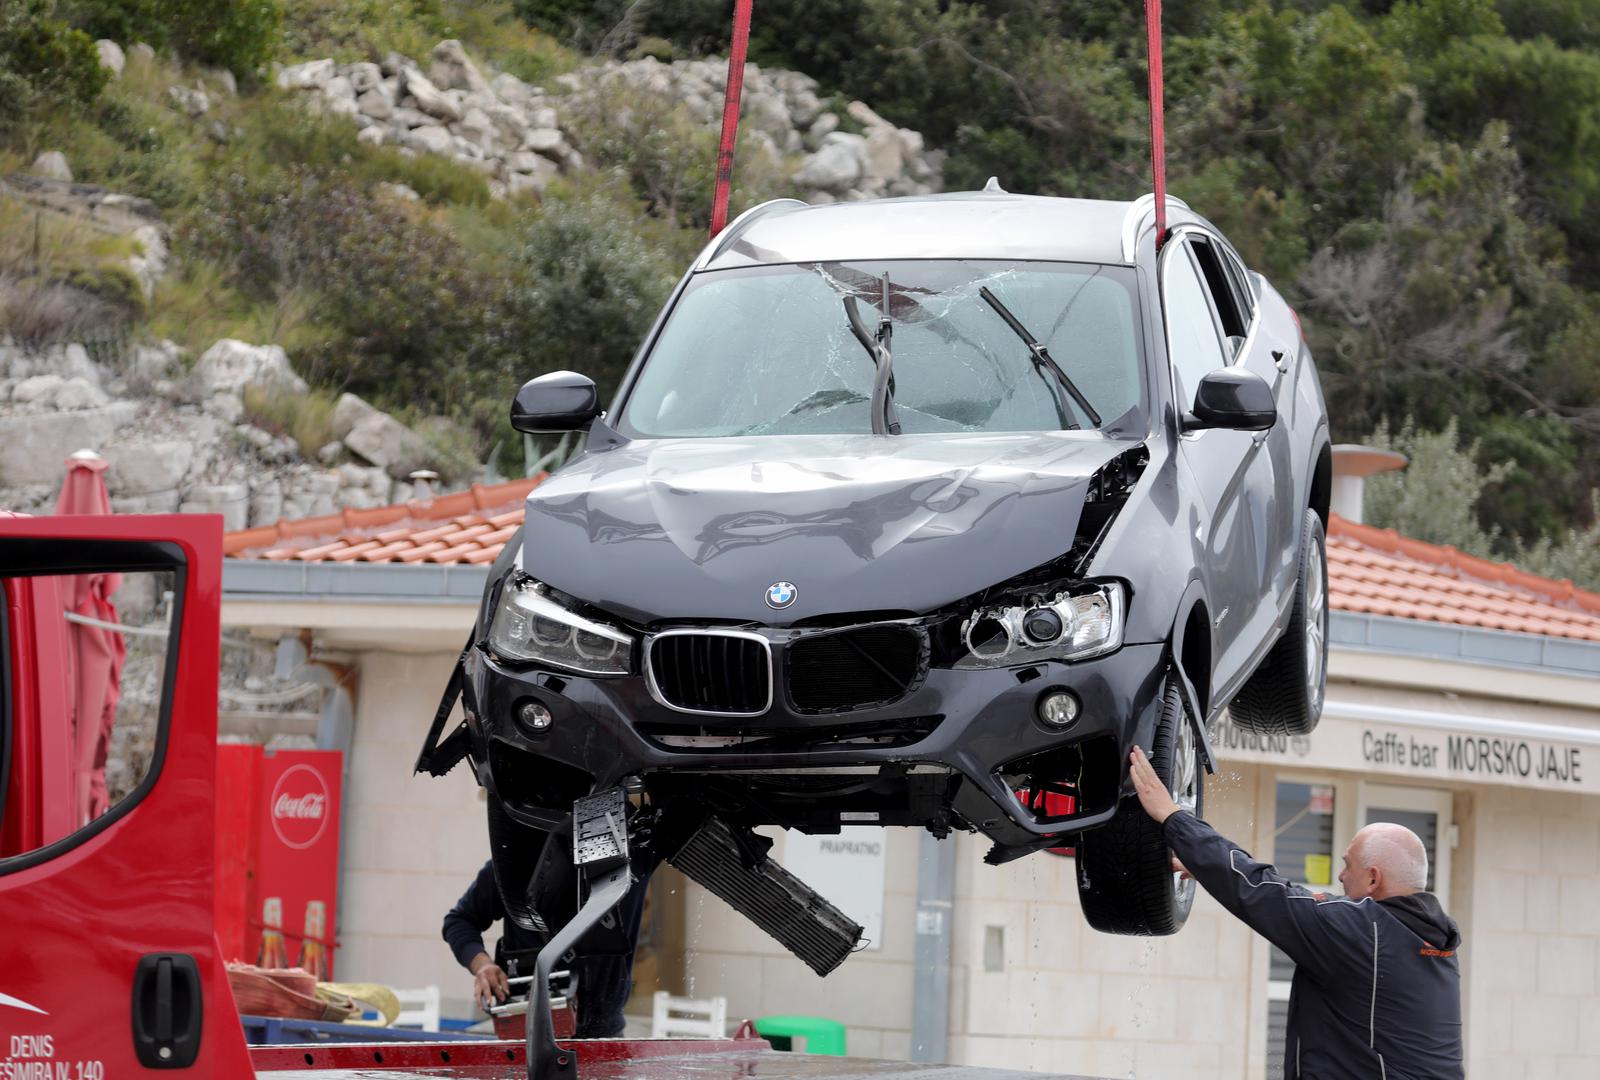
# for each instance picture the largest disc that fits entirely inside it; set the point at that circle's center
(1377, 990)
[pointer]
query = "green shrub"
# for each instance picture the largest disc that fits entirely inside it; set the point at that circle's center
(306, 418)
(43, 60)
(241, 35)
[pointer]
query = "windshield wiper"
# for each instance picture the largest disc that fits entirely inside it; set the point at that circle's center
(884, 419)
(1042, 360)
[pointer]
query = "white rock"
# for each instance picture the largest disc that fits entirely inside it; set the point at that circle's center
(111, 57)
(37, 444)
(364, 77)
(498, 189)
(545, 141)
(38, 390)
(231, 365)
(307, 76)
(509, 88)
(863, 115)
(371, 136)
(192, 100)
(517, 183)
(224, 79)
(403, 192)
(225, 406)
(52, 165)
(342, 107)
(884, 153)
(378, 437)
(837, 166)
(76, 394)
(372, 103)
(430, 99)
(339, 87)
(141, 52)
(405, 118)
(453, 69)
(543, 116)
(434, 140)
(478, 128)
(144, 467)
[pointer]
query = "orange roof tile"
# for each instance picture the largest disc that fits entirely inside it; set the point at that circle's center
(1370, 571)
(462, 527)
(1375, 571)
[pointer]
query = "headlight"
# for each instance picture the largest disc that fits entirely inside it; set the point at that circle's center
(528, 625)
(1059, 625)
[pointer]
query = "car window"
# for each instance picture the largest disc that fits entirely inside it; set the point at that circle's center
(1239, 277)
(86, 662)
(1191, 326)
(1232, 308)
(769, 350)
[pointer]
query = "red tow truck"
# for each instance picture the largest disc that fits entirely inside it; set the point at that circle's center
(110, 966)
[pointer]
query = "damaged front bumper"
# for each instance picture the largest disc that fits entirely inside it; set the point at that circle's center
(958, 749)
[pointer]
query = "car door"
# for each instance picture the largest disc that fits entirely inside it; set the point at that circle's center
(1263, 353)
(109, 637)
(1223, 462)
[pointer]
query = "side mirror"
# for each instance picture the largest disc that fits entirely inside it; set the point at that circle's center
(559, 401)
(1231, 398)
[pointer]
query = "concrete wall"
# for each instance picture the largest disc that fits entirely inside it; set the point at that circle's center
(1532, 940)
(411, 844)
(1069, 999)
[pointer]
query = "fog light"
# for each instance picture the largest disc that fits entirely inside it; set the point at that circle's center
(1059, 708)
(535, 717)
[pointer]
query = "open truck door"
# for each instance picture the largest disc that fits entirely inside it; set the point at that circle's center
(109, 965)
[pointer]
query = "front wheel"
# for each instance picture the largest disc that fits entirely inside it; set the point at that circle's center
(1284, 695)
(1125, 879)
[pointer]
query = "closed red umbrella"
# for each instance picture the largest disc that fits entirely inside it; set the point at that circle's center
(96, 652)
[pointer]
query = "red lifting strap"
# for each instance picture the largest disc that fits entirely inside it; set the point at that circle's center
(730, 114)
(1158, 139)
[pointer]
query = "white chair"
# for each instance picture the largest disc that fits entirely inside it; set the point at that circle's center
(418, 1009)
(688, 1018)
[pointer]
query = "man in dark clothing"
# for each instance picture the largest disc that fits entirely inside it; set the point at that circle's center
(604, 980)
(1377, 989)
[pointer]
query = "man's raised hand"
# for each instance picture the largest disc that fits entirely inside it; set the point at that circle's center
(1153, 794)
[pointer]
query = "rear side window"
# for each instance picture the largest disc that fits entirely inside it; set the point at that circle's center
(88, 649)
(1232, 305)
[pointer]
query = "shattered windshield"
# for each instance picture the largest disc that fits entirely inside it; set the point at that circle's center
(769, 350)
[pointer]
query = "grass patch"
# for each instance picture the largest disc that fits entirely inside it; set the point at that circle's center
(195, 306)
(306, 418)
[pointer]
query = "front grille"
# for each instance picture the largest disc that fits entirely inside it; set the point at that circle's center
(854, 669)
(708, 672)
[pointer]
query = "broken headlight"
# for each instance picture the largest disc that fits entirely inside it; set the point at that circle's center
(529, 625)
(1057, 624)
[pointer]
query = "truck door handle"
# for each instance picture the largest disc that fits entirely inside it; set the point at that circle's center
(167, 1002)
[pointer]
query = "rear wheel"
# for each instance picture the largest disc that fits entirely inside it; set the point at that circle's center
(1284, 695)
(1125, 879)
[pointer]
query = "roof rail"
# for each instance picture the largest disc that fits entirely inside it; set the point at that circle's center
(738, 225)
(1133, 221)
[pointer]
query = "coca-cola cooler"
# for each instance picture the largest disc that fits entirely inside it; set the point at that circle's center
(278, 856)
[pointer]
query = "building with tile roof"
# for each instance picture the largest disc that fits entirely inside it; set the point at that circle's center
(1463, 701)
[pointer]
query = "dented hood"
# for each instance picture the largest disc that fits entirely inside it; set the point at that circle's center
(699, 529)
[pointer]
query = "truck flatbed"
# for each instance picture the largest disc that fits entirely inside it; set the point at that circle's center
(602, 1059)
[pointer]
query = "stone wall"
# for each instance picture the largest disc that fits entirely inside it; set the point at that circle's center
(178, 439)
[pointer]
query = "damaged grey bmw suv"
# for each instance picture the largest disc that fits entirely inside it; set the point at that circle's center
(918, 512)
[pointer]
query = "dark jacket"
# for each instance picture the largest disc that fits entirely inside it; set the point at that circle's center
(478, 909)
(1377, 989)
(605, 979)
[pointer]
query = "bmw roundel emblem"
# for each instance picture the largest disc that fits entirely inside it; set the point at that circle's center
(780, 594)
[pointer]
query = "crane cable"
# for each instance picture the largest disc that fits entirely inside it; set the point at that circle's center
(730, 114)
(1158, 138)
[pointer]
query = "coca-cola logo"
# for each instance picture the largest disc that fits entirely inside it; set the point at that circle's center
(299, 807)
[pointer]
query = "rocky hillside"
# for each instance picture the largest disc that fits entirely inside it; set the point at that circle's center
(523, 136)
